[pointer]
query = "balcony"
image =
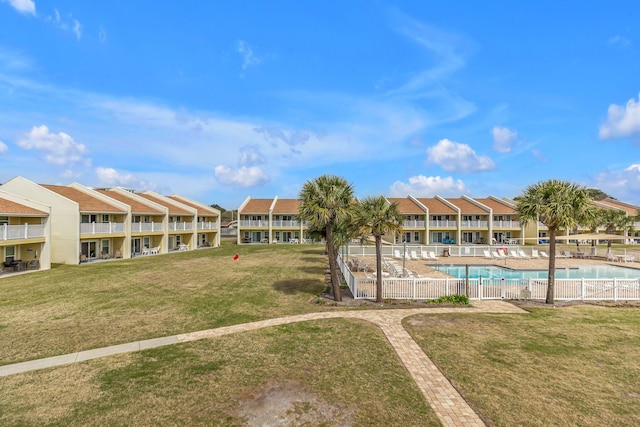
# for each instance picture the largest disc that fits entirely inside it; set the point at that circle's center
(413, 224)
(146, 227)
(207, 225)
(474, 224)
(255, 224)
(102, 228)
(21, 232)
(286, 223)
(443, 223)
(506, 224)
(181, 226)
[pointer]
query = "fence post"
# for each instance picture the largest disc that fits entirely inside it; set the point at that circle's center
(446, 289)
(480, 292)
(503, 289)
(583, 290)
(615, 289)
(414, 288)
(26, 231)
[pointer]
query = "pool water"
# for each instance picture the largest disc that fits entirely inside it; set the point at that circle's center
(578, 272)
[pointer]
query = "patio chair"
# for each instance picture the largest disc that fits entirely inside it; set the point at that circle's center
(543, 254)
(513, 254)
(396, 254)
(118, 254)
(34, 264)
(424, 254)
(432, 255)
(487, 254)
(534, 253)
(105, 255)
(414, 256)
(8, 266)
(522, 254)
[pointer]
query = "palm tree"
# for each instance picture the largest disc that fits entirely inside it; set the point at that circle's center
(379, 217)
(614, 220)
(558, 205)
(326, 202)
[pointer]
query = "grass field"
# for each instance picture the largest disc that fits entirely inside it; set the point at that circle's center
(578, 365)
(571, 366)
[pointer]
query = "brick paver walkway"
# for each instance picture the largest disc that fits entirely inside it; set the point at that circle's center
(451, 408)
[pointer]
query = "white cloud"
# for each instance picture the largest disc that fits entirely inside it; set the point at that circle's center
(67, 23)
(60, 148)
(619, 40)
(109, 177)
(249, 59)
(242, 177)
(251, 156)
(622, 121)
(77, 29)
(539, 156)
(3, 147)
(102, 35)
(24, 6)
(429, 186)
(503, 139)
(622, 184)
(455, 157)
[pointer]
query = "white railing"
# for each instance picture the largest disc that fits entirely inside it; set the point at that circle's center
(140, 227)
(180, 226)
(17, 232)
(285, 223)
(207, 225)
(413, 224)
(506, 224)
(258, 223)
(474, 224)
(102, 228)
(446, 223)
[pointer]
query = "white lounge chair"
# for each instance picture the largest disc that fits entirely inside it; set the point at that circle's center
(543, 254)
(522, 254)
(433, 256)
(414, 256)
(534, 253)
(424, 254)
(487, 255)
(396, 254)
(498, 255)
(513, 254)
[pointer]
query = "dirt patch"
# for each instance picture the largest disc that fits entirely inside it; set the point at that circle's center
(289, 404)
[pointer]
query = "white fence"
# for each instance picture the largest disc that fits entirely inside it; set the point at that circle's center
(17, 232)
(479, 289)
(102, 228)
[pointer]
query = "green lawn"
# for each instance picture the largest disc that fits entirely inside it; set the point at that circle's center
(577, 365)
(569, 366)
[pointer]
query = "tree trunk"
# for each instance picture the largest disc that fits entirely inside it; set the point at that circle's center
(333, 265)
(379, 268)
(552, 266)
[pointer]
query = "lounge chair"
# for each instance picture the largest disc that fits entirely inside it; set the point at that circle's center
(498, 255)
(433, 255)
(414, 256)
(513, 254)
(534, 253)
(522, 254)
(487, 255)
(424, 254)
(396, 254)
(543, 254)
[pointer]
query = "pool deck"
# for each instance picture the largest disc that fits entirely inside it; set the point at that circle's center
(422, 267)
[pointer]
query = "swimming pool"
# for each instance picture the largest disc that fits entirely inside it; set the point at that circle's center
(579, 272)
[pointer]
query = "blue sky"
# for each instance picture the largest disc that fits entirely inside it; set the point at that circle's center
(221, 100)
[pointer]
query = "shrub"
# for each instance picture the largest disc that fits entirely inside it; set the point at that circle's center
(450, 299)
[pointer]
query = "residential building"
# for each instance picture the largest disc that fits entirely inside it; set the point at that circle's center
(25, 234)
(270, 221)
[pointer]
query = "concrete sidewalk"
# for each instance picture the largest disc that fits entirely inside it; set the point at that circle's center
(448, 404)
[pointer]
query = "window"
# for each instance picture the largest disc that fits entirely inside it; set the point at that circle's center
(136, 218)
(104, 245)
(147, 218)
(9, 253)
(146, 241)
(4, 220)
(105, 218)
(416, 236)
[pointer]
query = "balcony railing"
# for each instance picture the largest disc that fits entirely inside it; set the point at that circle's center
(474, 224)
(102, 228)
(413, 224)
(255, 224)
(180, 226)
(443, 223)
(285, 223)
(207, 225)
(18, 232)
(146, 227)
(506, 224)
